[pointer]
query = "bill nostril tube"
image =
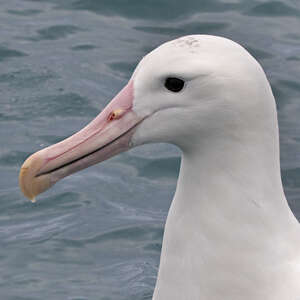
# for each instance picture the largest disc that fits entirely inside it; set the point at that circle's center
(116, 114)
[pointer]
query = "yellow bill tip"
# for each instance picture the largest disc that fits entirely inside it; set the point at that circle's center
(29, 183)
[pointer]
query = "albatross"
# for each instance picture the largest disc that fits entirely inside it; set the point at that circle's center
(229, 234)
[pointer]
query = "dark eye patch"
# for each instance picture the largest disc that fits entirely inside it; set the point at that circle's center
(174, 84)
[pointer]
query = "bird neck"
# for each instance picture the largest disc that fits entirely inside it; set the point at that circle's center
(236, 172)
(228, 212)
(231, 178)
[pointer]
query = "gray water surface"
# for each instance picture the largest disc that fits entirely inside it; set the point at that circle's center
(97, 234)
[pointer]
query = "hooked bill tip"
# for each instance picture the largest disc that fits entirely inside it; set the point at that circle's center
(30, 185)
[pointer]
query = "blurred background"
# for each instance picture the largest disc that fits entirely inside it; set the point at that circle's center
(97, 234)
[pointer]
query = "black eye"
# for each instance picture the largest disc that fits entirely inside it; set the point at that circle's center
(174, 84)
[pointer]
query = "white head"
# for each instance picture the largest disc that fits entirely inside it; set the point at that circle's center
(224, 92)
(218, 92)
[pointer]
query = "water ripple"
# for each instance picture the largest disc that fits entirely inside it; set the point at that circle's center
(6, 53)
(55, 32)
(25, 12)
(273, 8)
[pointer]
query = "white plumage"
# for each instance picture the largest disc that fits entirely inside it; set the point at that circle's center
(230, 233)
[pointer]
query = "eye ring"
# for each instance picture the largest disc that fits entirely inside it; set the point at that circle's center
(174, 84)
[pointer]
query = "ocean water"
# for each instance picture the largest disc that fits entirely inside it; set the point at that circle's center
(97, 234)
